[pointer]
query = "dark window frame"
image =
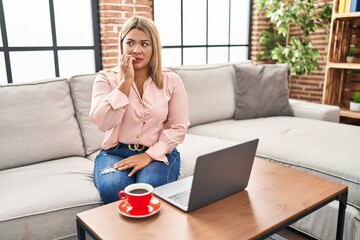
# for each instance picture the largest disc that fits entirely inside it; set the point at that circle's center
(55, 48)
(207, 45)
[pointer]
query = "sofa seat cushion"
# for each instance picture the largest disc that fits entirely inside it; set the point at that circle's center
(37, 122)
(315, 223)
(326, 149)
(40, 197)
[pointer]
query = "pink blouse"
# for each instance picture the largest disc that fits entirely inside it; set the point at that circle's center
(158, 120)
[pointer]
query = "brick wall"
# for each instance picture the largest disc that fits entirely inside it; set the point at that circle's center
(113, 13)
(309, 87)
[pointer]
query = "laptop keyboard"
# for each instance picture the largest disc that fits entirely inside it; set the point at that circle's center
(181, 198)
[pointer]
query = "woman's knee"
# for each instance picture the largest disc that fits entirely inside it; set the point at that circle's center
(158, 173)
(174, 165)
(152, 174)
(110, 182)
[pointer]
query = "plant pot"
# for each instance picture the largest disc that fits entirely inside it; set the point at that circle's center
(349, 59)
(354, 107)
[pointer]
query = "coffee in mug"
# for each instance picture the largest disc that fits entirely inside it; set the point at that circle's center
(138, 195)
(139, 191)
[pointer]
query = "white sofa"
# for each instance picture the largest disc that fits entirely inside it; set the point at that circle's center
(47, 148)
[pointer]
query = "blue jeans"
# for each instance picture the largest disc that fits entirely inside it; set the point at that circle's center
(110, 181)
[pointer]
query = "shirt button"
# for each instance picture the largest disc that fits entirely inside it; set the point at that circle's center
(137, 136)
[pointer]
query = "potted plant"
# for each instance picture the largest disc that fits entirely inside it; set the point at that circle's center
(279, 44)
(351, 54)
(355, 104)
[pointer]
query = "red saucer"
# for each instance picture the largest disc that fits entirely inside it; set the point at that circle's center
(125, 209)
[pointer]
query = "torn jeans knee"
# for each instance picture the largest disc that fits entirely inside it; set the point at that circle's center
(107, 171)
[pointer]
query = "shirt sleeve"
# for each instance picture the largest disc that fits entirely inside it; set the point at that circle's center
(176, 124)
(108, 104)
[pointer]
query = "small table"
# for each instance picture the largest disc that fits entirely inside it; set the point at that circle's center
(276, 197)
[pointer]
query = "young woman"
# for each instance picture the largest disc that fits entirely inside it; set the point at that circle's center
(143, 110)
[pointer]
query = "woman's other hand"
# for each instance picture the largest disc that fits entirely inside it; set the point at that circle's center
(136, 162)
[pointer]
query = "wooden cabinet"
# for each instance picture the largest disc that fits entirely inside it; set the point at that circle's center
(342, 79)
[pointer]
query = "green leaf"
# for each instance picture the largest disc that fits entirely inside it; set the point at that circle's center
(300, 55)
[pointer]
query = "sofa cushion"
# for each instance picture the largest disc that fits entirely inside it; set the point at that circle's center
(325, 149)
(93, 155)
(42, 196)
(261, 91)
(323, 223)
(37, 123)
(81, 90)
(205, 85)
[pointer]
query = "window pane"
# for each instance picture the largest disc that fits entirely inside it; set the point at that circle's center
(32, 65)
(72, 62)
(3, 77)
(238, 54)
(73, 23)
(217, 54)
(168, 20)
(194, 56)
(194, 22)
(28, 23)
(239, 22)
(204, 22)
(171, 57)
(218, 22)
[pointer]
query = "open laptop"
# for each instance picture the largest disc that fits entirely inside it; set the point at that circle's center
(216, 176)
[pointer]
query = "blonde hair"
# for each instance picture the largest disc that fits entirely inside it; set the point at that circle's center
(148, 27)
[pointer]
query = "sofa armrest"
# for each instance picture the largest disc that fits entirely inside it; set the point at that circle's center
(315, 110)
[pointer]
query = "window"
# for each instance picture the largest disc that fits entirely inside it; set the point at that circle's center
(203, 31)
(48, 38)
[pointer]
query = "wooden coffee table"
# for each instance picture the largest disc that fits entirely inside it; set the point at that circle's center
(276, 197)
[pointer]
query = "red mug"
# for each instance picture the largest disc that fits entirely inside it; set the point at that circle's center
(138, 195)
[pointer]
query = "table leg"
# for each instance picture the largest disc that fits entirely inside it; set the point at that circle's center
(80, 231)
(341, 215)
